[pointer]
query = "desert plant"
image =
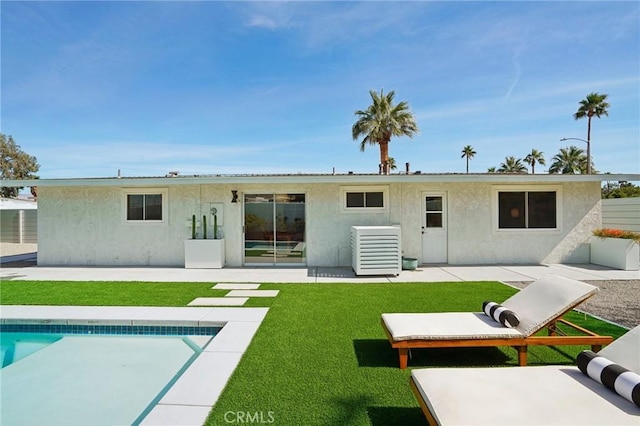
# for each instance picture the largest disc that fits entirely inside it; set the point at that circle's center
(193, 227)
(215, 226)
(617, 233)
(204, 227)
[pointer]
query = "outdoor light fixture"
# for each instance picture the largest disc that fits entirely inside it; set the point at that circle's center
(234, 194)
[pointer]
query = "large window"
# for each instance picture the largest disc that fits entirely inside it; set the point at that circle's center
(145, 206)
(370, 199)
(527, 209)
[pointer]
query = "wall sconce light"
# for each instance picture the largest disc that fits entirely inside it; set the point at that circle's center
(234, 194)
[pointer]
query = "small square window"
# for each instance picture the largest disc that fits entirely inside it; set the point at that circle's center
(355, 199)
(145, 207)
(374, 199)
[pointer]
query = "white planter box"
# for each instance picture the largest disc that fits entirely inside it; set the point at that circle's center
(615, 253)
(204, 254)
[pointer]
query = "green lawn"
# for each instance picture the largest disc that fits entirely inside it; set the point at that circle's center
(320, 356)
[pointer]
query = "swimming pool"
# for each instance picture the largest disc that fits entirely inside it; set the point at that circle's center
(98, 375)
(99, 367)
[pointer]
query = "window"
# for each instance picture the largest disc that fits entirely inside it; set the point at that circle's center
(527, 210)
(145, 206)
(365, 199)
(434, 211)
(358, 199)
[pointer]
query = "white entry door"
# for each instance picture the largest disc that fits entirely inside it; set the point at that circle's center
(434, 227)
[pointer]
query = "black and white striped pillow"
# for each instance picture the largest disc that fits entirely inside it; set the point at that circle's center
(617, 378)
(501, 314)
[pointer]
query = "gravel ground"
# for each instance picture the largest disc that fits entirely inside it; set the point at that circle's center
(617, 301)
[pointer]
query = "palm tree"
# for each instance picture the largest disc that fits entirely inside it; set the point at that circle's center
(534, 157)
(491, 170)
(570, 160)
(382, 120)
(468, 152)
(594, 105)
(392, 163)
(512, 165)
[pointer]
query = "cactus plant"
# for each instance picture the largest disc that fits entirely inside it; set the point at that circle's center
(204, 227)
(193, 227)
(215, 226)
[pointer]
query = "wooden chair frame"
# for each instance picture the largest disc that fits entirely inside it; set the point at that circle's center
(520, 343)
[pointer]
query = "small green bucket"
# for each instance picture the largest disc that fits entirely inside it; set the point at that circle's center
(409, 263)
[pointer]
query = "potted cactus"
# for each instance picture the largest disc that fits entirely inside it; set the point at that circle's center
(204, 253)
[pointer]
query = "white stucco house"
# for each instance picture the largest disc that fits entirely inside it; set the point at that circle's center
(305, 219)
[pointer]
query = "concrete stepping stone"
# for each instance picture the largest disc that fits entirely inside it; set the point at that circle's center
(252, 293)
(235, 286)
(218, 301)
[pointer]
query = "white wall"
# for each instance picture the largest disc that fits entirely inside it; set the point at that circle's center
(621, 213)
(86, 226)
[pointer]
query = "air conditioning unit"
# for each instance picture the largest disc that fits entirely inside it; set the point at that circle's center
(376, 250)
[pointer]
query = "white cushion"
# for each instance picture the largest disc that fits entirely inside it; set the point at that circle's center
(545, 299)
(547, 395)
(446, 325)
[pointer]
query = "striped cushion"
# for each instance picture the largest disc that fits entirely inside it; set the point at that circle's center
(617, 378)
(501, 314)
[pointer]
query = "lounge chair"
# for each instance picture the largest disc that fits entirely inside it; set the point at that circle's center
(541, 304)
(540, 395)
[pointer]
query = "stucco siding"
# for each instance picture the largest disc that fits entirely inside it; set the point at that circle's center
(87, 226)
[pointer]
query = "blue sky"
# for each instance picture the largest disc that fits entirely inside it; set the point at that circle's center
(272, 87)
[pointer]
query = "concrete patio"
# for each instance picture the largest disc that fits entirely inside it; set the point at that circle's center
(586, 272)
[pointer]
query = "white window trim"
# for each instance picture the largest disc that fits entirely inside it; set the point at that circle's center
(525, 188)
(146, 191)
(382, 188)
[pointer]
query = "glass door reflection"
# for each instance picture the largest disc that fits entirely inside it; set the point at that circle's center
(274, 227)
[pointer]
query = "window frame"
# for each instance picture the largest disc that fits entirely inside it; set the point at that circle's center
(163, 192)
(365, 189)
(495, 208)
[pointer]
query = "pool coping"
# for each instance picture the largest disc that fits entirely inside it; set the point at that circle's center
(191, 398)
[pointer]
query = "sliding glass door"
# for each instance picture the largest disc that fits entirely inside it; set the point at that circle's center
(274, 229)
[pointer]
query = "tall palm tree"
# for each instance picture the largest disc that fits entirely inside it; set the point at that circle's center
(594, 105)
(468, 152)
(512, 165)
(534, 157)
(382, 120)
(570, 160)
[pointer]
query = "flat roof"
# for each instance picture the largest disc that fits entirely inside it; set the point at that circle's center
(342, 178)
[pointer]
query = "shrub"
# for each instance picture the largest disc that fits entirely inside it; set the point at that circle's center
(617, 233)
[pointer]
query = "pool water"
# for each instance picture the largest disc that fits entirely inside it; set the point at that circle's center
(60, 379)
(15, 346)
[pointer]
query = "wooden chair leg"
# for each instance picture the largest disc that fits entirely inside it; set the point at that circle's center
(596, 348)
(522, 355)
(404, 357)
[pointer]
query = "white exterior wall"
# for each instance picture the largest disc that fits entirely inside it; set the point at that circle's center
(86, 226)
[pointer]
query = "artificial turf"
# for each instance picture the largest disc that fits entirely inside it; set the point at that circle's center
(320, 356)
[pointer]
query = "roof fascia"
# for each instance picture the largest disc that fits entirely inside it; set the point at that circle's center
(309, 179)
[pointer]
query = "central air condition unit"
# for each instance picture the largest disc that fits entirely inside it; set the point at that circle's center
(376, 250)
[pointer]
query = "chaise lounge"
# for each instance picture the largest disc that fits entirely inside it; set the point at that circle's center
(597, 392)
(539, 305)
